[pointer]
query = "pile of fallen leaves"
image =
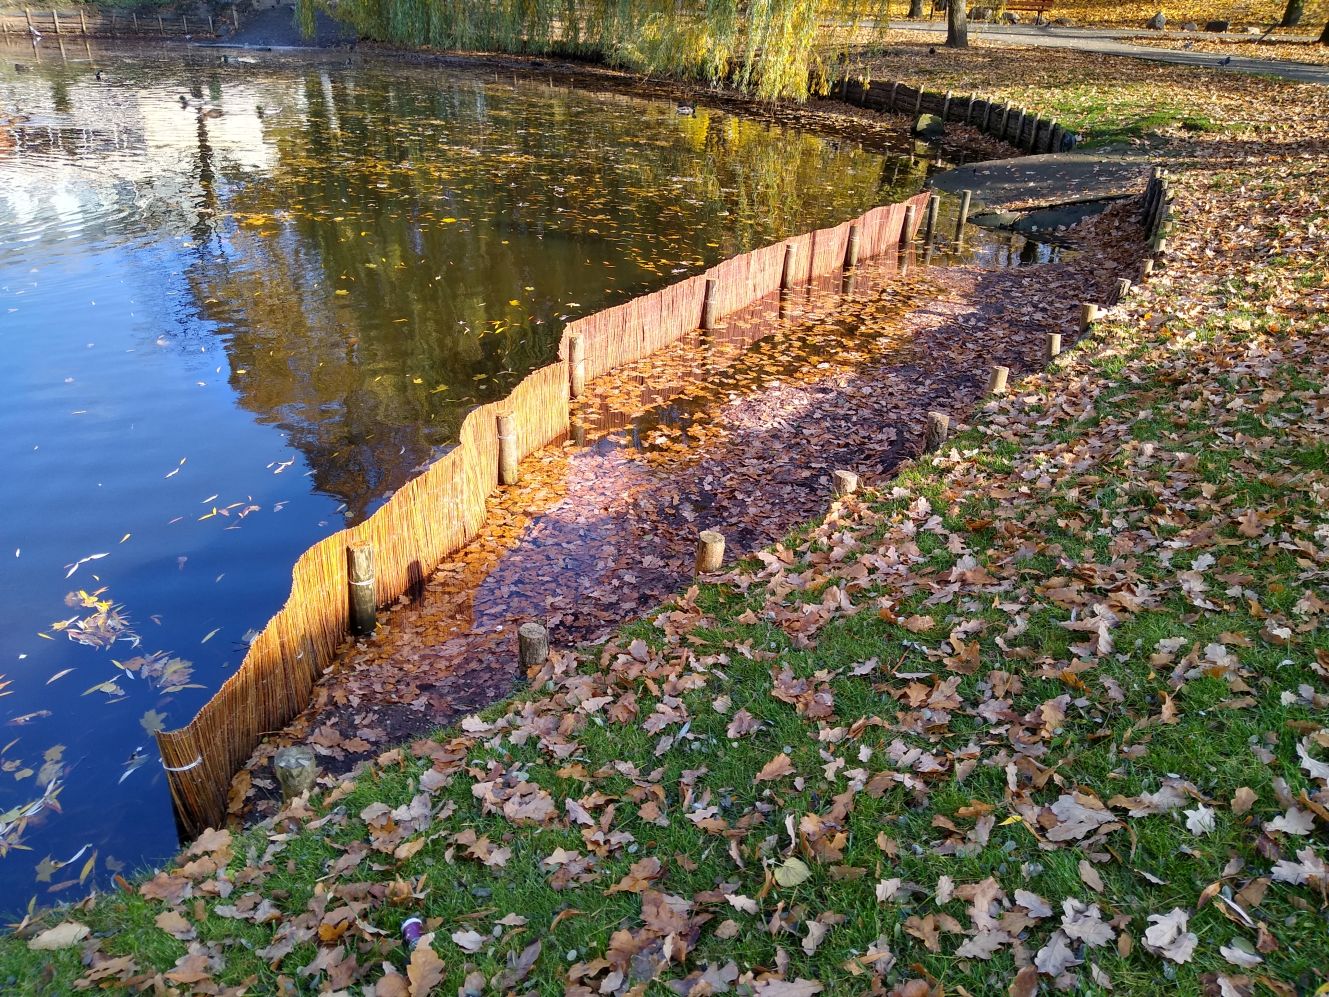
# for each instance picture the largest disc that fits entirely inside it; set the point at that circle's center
(1046, 713)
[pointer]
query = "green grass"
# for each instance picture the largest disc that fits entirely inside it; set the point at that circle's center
(1100, 745)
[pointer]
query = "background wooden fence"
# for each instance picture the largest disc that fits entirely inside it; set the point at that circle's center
(92, 22)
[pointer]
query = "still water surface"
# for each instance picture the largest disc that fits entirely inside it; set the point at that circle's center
(240, 303)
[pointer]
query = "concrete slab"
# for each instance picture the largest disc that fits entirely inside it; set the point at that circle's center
(1046, 181)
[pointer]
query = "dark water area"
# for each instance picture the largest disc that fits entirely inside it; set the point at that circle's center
(240, 303)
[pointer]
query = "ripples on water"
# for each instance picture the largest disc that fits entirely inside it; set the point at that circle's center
(242, 302)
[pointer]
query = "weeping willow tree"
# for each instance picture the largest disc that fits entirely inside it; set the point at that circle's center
(772, 48)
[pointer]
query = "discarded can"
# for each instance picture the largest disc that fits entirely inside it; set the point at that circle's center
(411, 930)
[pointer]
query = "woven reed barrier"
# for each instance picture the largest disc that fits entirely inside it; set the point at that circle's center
(443, 508)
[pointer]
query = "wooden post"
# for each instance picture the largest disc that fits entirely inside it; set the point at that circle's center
(1088, 316)
(895, 88)
(709, 304)
(1055, 139)
(946, 107)
(161, 26)
(907, 229)
(532, 646)
(360, 579)
(1005, 119)
(843, 483)
(710, 551)
(1052, 348)
(918, 101)
(83, 22)
(1123, 288)
(938, 429)
(508, 455)
(576, 365)
(851, 248)
(997, 380)
(1146, 269)
(212, 30)
(966, 196)
(55, 22)
(930, 222)
(295, 769)
(969, 110)
(1160, 246)
(987, 115)
(787, 269)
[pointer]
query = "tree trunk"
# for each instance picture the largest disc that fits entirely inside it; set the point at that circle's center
(957, 25)
(915, 9)
(1292, 13)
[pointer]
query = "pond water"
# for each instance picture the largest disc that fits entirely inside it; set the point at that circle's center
(240, 303)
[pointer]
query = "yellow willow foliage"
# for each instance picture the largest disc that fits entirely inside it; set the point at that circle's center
(772, 48)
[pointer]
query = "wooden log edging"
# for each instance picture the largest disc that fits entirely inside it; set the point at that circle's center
(1016, 125)
(443, 508)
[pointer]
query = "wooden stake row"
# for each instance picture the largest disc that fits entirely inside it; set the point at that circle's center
(1017, 125)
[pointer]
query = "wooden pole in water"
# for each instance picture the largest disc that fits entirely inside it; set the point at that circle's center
(966, 198)
(937, 430)
(930, 223)
(997, 380)
(710, 551)
(787, 269)
(55, 22)
(1052, 348)
(709, 303)
(83, 22)
(508, 455)
(360, 579)
(907, 229)
(576, 365)
(851, 248)
(295, 769)
(843, 483)
(532, 646)
(1088, 316)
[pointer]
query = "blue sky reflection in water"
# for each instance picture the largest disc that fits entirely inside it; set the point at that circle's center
(241, 303)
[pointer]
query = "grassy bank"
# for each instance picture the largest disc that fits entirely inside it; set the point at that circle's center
(1048, 711)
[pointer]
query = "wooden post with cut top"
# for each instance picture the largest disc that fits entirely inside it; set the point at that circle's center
(509, 457)
(709, 303)
(576, 365)
(997, 380)
(710, 551)
(843, 483)
(937, 430)
(532, 645)
(360, 582)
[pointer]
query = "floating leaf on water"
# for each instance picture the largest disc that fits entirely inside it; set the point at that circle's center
(153, 721)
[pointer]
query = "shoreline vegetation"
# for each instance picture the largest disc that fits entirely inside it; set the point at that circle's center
(1046, 710)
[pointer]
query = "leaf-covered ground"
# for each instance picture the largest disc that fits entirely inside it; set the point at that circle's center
(1047, 712)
